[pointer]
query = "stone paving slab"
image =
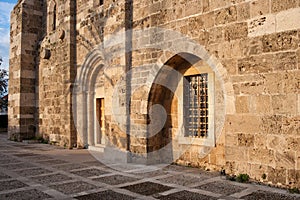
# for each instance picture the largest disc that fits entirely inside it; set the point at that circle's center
(52, 162)
(107, 195)
(17, 166)
(69, 167)
(182, 179)
(4, 176)
(73, 187)
(186, 195)
(115, 179)
(151, 173)
(25, 195)
(51, 178)
(25, 154)
(89, 172)
(40, 171)
(11, 184)
(262, 195)
(222, 187)
(32, 172)
(147, 188)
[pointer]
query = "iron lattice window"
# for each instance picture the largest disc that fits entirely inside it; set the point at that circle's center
(196, 105)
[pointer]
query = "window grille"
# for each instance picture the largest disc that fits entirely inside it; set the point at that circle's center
(196, 105)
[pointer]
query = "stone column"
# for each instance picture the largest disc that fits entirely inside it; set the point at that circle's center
(26, 23)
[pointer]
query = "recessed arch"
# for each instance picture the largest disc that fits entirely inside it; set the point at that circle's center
(163, 91)
(52, 16)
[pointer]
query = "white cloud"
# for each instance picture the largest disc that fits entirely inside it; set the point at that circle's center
(4, 37)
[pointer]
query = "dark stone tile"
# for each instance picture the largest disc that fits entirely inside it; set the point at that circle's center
(186, 195)
(4, 176)
(52, 178)
(115, 179)
(24, 154)
(18, 166)
(94, 164)
(147, 188)
(73, 187)
(107, 195)
(18, 145)
(30, 147)
(5, 157)
(33, 172)
(90, 172)
(184, 180)
(9, 161)
(52, 162)
(151, 173)
(263, 195)
(125, 167)
(221, 187)
(11, 151)
(39, 158)
(178, 168)
(9, 185)
(25, 195)
(69, 167)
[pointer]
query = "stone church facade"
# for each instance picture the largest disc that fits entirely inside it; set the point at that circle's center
(207, 83)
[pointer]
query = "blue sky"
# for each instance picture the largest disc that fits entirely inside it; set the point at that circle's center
(6, 7)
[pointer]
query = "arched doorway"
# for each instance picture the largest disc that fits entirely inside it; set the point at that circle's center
(185, 87)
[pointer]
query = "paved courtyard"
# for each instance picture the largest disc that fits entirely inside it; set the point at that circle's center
(41, 171)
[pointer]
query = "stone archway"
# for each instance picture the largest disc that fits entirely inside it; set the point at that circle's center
(84, 108)
(170, 142)
(162, 92)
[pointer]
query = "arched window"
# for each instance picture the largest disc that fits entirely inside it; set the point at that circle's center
(51, 19)
(54, 18)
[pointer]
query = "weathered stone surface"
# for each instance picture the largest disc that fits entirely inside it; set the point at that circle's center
(280, 5)
(236, 31)
(280, 41)
(243, 11)
(259, 7)
(249, 48)
(226, 15)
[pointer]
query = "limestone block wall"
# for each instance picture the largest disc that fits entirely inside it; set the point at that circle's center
(25, 32)
(98, 71)
(56, 74)
(251, 46)
(257, 43)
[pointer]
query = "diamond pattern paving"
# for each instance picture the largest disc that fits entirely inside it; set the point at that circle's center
(25, 195)
(9, 185)
(3, 176)
(64, 175)
(52, 178)
(115, 179)
(52, 162)
(73, 187)
(183, 179)
(90, 172)
(18, 166)
(147, 188)
(107, 195)
(32, 172)
(186, 195)
(69, 167)
(261, 195)
(221, 187)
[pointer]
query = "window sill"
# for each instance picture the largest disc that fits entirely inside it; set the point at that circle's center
(210, 142)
